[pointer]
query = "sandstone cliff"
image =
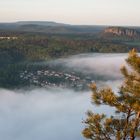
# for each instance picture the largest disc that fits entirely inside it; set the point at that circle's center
(122, 31)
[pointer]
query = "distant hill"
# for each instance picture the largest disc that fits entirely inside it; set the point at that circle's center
(121, 32)
(41, 23)
(51, 27)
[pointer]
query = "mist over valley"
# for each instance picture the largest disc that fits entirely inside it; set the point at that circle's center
(57, 112)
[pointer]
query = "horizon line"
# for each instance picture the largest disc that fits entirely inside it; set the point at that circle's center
(68, 24)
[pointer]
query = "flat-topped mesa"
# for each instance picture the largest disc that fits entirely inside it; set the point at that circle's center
(122, 31)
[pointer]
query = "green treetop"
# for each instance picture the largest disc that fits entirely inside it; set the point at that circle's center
(125, 125)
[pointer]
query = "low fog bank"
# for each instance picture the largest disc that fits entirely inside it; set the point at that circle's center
(57, 114)
(41, 114)
(106, 65)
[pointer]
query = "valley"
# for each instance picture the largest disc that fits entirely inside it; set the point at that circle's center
(21, 49)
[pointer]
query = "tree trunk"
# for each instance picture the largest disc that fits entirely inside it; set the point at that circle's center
(126, 125)
(133, 133)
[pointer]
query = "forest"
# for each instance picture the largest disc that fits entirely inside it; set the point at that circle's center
(19, 48)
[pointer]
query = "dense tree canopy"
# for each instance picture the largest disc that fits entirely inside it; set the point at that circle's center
(26, 47)
(124, 125)
(34, 47)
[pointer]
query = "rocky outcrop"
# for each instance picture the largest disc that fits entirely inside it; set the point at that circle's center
(121, 31)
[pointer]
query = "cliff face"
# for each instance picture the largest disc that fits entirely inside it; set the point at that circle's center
(120, 31)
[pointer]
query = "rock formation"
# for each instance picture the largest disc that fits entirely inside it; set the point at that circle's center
(122, 31)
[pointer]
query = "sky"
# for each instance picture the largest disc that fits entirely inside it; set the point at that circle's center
(89, 12)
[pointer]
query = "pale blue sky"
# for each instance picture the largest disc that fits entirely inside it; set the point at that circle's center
(95, 12)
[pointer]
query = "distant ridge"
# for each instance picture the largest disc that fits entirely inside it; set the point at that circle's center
(50, 27)
(41, 23)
